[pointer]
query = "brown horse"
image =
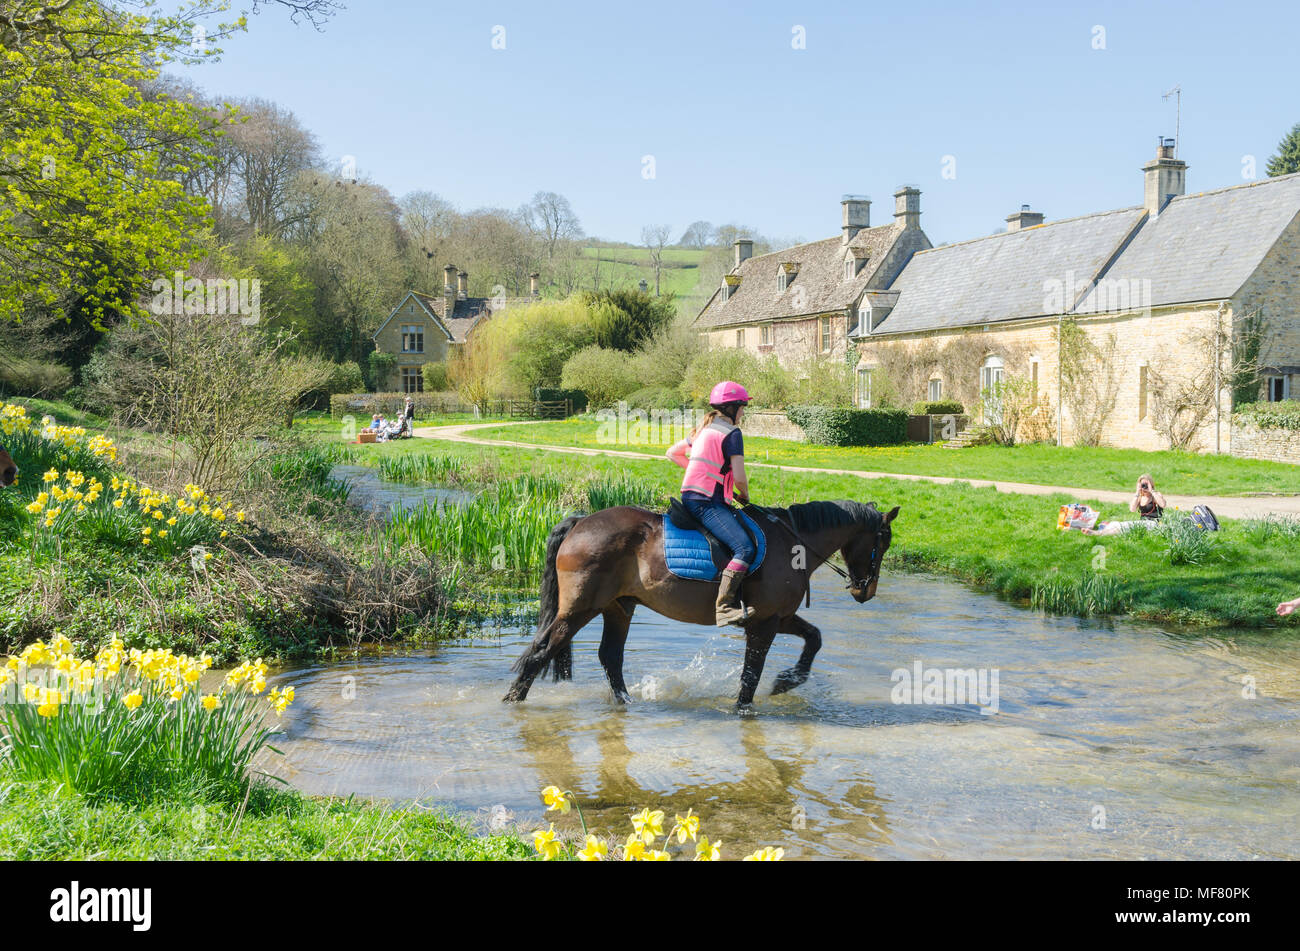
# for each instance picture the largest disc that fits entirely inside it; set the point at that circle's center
(609, 562)
(8, 471)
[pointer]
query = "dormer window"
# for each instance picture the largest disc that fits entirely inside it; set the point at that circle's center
(730, 284)
(785, 276)
(782, 281)
(850, 269)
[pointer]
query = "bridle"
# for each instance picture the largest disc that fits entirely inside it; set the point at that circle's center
(883, 535)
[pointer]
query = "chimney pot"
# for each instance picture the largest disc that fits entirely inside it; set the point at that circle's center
(855, 214)
(1024, 218)
(534, 285)
(462, 284)
(449, 277)
(744, 250)
(907, 206)
(1164, 178)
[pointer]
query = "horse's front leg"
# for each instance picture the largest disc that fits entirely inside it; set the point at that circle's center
(792, 677)
(758, 639)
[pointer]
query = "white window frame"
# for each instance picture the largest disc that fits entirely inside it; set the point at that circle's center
(407, 374)
(850, 269)
(1268, 387)
(782, 279)
(864, 387)
(740, 339)
(765, 335)
(935, 391)
(409, 331)
(825, 329)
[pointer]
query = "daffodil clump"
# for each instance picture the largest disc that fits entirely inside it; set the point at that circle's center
(643, 844)
(45, 443)
(129, 513)
(129, 717)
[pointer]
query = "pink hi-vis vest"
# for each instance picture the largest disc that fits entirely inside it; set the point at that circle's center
(704, 470)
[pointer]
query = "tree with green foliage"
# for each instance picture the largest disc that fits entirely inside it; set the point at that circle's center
(1287, 159)
(624, 319)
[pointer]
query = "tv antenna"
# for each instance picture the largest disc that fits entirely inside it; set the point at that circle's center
(1177, 93)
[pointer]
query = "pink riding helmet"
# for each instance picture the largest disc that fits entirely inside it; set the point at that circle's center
(728, 392)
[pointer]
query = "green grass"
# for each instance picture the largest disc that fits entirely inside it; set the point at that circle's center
(1008, 544)
(623, 267)
(1114, 469)
(43, 823)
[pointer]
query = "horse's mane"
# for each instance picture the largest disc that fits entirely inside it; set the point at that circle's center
(815, 516)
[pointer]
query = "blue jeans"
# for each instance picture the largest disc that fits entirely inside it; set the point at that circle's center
(719, 519)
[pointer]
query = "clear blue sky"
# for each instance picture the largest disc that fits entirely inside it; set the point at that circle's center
(743, 127)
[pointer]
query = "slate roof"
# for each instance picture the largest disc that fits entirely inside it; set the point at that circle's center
(464, 316)
(821, 275)
(1005, 276)
(1203, 247)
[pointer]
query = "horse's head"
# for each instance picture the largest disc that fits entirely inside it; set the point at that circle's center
(8, 471)
(864, 554)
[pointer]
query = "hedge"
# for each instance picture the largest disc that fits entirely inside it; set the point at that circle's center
(938, 408)
(553, 394)
(367, 404)
(1282, 415)
(827, 426)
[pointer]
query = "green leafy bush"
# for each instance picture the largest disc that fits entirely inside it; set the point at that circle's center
(365, 405)
(938, 408)
(381, 366)
(604, 375)
(830, 426)
(1281, 415)
(655, 397)
(435, 377)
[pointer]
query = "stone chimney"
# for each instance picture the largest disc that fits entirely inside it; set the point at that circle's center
(534, 285)
(907, 206)
(1024, 218)
(744, 250)
(855, 214)
(462, 285)
(449, 279)
(1165, 178)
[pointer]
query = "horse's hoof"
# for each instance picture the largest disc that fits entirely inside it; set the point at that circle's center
(788, 680)
(512, 697)
(745, 710)
(622, 697)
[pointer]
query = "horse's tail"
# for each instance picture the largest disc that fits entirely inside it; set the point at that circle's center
(561, 665)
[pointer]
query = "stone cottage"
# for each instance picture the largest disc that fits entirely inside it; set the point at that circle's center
(803, 302)
(1123, 326)
(424, 328)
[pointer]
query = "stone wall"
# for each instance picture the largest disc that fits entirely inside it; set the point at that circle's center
(1249, 441)
(773, 425)
(1274, 290)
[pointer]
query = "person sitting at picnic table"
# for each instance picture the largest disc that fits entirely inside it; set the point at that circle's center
(1146, 502)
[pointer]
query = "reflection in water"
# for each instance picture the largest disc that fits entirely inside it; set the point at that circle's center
(1110, 741)
(372, 494)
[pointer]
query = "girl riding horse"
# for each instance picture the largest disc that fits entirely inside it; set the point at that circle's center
(714, 459)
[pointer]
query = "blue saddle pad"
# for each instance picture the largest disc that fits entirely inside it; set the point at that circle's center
(687, 551)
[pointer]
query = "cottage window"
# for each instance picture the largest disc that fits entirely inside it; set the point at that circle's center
(936, 390)
(412, 380)
(782, 280)
(991, 373)
(825, 333)
(849, 270)
(726, 290)
(990, 380)
(864, 389)
(765, 335)
(1279, 388)
(413, 338)
(410, 308)
(740, 338)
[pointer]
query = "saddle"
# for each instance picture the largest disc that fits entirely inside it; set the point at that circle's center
(692, 552)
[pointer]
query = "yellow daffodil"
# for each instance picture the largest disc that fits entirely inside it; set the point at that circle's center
(649, 825)
(545, 844)
(768, 854)
(654, 855)
(633, 849)
(133, 700)
(706, 851)
(211, 702)
(594, 850)
(687, 826)
(555, 799)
